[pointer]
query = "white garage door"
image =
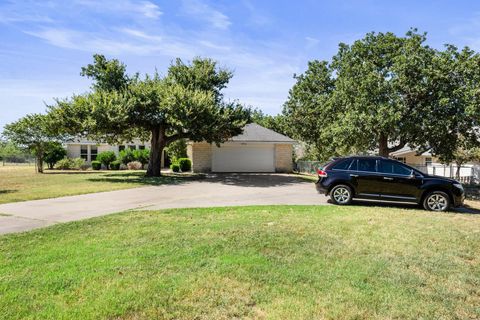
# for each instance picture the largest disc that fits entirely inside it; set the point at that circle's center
(243, 158)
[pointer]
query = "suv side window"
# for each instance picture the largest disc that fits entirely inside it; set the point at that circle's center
(367, 165)
(391, 167)
(342, 164)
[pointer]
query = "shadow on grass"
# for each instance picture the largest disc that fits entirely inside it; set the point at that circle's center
(7, 191)
(374, 203)
(141, 179)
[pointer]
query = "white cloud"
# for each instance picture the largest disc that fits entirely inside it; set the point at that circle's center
(202, 11)
(146, 9)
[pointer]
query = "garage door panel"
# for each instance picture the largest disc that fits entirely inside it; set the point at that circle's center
(243, 158)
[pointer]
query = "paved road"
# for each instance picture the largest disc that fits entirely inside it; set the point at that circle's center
(215, 190)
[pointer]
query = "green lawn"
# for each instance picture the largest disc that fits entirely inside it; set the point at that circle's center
(20, 183)
(272, 262)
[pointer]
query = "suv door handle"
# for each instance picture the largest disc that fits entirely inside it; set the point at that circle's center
(354, 175)
(387, 178)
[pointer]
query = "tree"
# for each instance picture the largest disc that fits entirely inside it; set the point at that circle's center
(9, 152)
(106, 158)
(384, 92)
(35, 132)
(276, 123)
(54, 152)
(185, 104)
(177, 149)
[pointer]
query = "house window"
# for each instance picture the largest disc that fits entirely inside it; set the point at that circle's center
(428, 161)
(93, 153)
(121, 148)
(84, 152)
(132, 147)
(141, 147)
(401, 159)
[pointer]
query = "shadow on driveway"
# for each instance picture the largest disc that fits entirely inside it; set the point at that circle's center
(256, 180)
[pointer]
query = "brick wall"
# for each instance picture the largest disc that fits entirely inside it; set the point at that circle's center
(201, 156)
(283, 158)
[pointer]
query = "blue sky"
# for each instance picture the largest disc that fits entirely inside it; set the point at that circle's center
(43, 44)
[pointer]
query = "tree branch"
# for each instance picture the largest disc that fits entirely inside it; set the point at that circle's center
(401, 144)
(177, 136)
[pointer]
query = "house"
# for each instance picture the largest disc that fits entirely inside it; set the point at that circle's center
(257, 149)
(88, 150)
(411, 157)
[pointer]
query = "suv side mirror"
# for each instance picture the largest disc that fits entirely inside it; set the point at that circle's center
(412, 175)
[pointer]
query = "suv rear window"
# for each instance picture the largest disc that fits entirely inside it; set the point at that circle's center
(342, 164)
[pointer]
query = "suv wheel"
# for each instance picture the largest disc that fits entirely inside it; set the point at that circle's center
(341, 194)
(437, 201)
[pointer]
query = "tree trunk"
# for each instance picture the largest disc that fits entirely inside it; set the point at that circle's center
(158, 143)
(383, 146)
(457, 174)
(40, 164)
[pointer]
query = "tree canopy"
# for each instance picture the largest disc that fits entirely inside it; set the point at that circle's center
(185, 104)
(384, 92)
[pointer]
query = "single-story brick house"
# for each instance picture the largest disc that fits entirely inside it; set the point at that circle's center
(257, 149)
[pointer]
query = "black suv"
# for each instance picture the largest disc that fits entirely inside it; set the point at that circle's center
(379, 178)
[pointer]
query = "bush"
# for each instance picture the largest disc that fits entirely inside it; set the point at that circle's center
(134, 165)
(126, 156)
(175, 167)
(142, 156)
(115, 165)
(69, 164)
(185, 164)
(54, 152)
(177, 149)
(106, 158)
(96, 165)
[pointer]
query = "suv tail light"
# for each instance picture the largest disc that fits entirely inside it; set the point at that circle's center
(322, 173)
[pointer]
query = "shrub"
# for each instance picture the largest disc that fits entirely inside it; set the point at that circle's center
(134, 165)
(175, 167)
(54, 152)
(96, 165)
(84, 167)
(69, 163)
(185, 164)
(126, 156)
(106, 158)
(142, 156)
(177, 149)
(123, 166)
(115, 165)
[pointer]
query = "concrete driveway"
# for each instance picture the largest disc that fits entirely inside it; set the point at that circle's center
(214, 191)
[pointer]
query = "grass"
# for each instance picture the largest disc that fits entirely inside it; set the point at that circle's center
(271, 262)
(20, 183)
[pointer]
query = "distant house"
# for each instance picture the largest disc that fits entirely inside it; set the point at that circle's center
(88, 150)
(410, 156)
(257, 149)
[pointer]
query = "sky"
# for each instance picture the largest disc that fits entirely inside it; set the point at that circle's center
(44, 44)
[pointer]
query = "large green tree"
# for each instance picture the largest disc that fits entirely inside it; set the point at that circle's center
(34, 132)
(384, 92)
(185, 104)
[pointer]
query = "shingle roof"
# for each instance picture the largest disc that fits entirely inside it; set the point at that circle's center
(254, 132)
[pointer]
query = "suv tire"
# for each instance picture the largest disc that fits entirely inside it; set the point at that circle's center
(341, 194)
(436, 201)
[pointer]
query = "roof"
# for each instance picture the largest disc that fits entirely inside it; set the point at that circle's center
(406, 150)
(256, 133)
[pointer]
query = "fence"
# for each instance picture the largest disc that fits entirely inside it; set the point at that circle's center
(468, 174)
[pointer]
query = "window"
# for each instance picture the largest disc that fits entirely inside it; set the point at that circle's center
(93, 153)
(342, 164)
(84, 152)
(141, 147)
(132, 147)
(401, 159)
(121, 148)
(367, 165)
(428, 161)
(392, 167)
